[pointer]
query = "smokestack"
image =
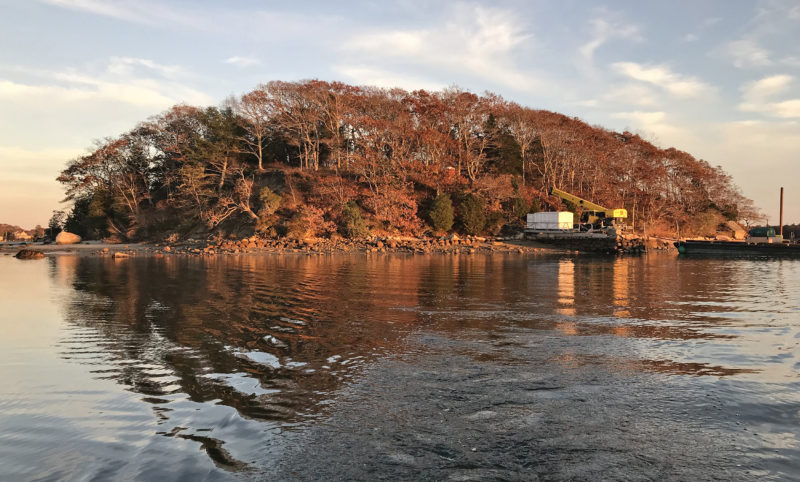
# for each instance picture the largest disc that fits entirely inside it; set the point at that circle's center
(780, 219)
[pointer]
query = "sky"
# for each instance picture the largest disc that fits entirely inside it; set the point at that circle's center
(718, 79)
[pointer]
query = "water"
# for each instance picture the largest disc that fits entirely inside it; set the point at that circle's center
(396, 367)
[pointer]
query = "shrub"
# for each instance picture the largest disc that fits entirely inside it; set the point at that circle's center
(494, 221)
(299, 226)
(441, 213)
(520, 207)
(352, 225)
(271, 201)
(266, 215)
(471, 214)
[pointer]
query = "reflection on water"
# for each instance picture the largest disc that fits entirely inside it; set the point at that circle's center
(180, 367)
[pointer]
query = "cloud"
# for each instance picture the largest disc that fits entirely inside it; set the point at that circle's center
(365, 75)
(635, 94)
(121, 11)
(746, 53)
(758, 154)
(129, 65)
(654, 126)
(139, 11)
(242, 61)
(767, 87)
(643, 118)
(28, 191)
(759, 96)
(477, 41)
(228, 19)
(138, 82)
(661, 76)
(65, 110)
(787, 109)
(603, 30)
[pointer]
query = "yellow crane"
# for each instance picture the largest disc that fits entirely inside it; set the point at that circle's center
(592, 213)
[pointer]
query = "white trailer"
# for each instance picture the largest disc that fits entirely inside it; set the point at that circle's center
(551, 221)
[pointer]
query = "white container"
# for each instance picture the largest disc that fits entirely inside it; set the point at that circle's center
(552, 221)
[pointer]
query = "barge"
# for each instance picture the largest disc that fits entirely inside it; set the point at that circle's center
(760, 242)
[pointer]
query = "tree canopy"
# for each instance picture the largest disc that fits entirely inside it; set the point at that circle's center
(322, 148)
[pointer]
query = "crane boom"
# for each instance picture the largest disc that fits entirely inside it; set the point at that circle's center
(594, 212)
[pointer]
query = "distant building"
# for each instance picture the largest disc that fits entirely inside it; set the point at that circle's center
(22, 236)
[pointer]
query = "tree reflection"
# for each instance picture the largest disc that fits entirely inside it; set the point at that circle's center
(276, 337)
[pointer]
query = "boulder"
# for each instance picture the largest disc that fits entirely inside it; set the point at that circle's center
(29, 254)
(736, 230)
(67, 238)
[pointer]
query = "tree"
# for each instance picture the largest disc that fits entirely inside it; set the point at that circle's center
(255, 114)
(441, 213)
(471, 214)
(270, 201)
(519, 122)
(56, 224)
(520, 207)
(329, 143)
(352, 225)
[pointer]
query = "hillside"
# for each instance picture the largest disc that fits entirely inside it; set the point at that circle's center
(324, 159)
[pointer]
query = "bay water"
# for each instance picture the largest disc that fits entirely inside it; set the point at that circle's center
(381, 366)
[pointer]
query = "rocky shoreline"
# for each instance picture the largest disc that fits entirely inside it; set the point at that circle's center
(451, 244)
(255, 245)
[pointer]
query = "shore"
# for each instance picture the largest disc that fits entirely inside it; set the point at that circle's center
(255, 245)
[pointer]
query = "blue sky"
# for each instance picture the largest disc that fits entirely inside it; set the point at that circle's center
(719, 79)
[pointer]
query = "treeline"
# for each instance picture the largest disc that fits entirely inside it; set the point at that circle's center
(12, 232)
(315, 158)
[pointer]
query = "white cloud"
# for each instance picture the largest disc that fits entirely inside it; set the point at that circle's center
(98, 7)
(635, 94)
(365, 75)
(65, 110)
(603, 30)
(661, 76)
(120, 81)
(240, 61)
(140, 11)
(28, 191)
(476, 41)
(787, 109)
(655, 126)
(759, 96)
(747, 53)
(129, 65)
(228, 19)
(759, 154)
(642, 118)
(767, 87)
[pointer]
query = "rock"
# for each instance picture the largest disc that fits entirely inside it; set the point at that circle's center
(167, 249)
(119, 255)
(29, 254)
(67, 238)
